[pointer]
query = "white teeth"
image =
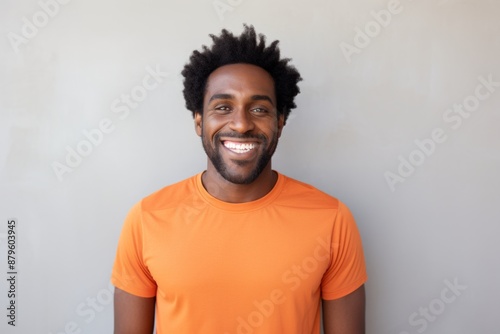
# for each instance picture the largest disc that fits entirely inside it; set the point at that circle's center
(239, 148)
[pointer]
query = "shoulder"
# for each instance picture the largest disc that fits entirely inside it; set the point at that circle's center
(304, 194)
(170, 196)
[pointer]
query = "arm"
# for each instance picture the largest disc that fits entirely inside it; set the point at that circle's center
(345, 315)
(133, 314)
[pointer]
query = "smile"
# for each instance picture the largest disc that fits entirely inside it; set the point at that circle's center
(239, 148)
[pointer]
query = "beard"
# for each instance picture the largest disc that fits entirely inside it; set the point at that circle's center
(213, 152)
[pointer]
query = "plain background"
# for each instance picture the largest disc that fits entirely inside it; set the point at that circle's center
(359, 117)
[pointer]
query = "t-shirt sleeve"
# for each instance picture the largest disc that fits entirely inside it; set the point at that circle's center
(129, 271)
(347, 270)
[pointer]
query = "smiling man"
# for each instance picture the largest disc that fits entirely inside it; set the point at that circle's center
(239, 248)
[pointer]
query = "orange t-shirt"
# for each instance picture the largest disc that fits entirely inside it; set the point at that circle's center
(226, 268)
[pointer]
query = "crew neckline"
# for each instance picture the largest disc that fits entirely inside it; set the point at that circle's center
(241, 207)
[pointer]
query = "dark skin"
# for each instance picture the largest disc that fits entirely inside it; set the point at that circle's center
(345, 315)
(133, 314)
(240, 102)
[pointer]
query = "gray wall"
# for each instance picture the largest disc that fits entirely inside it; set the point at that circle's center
(398, 117)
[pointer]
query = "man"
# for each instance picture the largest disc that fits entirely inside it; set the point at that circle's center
(239, 248)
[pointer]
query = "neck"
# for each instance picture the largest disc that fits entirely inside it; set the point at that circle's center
(229, 192)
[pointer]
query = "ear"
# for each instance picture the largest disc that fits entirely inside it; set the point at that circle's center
(198, 122)
(281, 123)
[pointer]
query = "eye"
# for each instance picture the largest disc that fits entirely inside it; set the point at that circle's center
(222, 108)
(259, 110)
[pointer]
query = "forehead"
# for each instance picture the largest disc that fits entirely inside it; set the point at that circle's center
(240, 78)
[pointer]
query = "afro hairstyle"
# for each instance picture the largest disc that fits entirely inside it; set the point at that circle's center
(247, 48)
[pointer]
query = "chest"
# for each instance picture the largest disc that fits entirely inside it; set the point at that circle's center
(212, 256)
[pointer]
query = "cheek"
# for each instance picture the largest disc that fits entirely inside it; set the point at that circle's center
(212, 125)
(208, 130)
(272, 129)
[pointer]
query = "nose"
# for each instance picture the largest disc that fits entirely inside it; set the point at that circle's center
(241, 121)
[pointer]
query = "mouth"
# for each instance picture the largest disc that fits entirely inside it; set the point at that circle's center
(239, 147)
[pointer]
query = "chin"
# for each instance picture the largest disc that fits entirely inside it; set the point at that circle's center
(240, 177)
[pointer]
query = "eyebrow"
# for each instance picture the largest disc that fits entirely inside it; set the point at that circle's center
(229, 97)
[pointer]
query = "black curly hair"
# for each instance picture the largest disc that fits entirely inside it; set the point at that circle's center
(246, 48)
